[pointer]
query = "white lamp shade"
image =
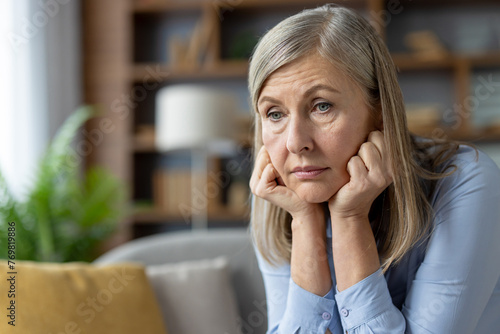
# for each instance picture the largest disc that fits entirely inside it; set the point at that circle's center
(194, 116)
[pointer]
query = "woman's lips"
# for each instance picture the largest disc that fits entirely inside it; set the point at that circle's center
(307, 173)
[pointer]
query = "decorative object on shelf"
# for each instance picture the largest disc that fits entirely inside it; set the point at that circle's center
(145, 137)
(194, 53)
(172, 190)
(243, 46)
(199, 119)
(426, 45)
(177, 47)
(64, 216)
(238, 196)
(423, 118)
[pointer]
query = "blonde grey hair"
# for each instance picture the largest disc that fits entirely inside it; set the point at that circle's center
(352, 45)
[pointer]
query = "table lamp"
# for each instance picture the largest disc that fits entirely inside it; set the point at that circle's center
(201, 119)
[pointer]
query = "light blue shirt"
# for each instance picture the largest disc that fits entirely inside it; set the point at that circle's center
(451, 284)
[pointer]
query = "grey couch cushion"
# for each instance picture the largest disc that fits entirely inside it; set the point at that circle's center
(234, 243)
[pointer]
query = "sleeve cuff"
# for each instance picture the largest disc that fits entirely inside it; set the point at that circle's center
(364, 300)
(308, 311)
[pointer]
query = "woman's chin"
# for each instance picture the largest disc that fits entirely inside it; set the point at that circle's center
(316, 192)
(314, 197)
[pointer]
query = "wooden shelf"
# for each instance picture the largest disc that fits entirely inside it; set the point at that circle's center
(221, 70)
(292, 4)
(167, 6)
(114, 86)
(410, 62)
(180, 5)
(432, 4)
(472, 134)
(478, 135)
(490, 58)
(144, 148)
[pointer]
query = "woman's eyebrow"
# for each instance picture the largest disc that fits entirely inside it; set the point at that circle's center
(320, 87)
(307, 93)
(268, 99)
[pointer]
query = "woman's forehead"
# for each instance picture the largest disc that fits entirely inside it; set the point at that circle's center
(308, 73)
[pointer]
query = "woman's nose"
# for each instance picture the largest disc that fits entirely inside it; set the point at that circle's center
(299, 136)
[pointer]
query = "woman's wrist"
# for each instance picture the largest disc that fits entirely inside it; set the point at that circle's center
(313, 217)
(355, 213)
(349, 219)
(309, 262)
(354, 250)
(347, 229)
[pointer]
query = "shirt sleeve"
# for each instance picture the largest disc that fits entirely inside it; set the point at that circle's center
(291, 309)
(366, 307)
(453, 285)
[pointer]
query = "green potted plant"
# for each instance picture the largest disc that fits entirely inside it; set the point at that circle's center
(67, 212)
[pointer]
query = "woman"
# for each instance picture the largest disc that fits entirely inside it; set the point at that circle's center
(360, 227)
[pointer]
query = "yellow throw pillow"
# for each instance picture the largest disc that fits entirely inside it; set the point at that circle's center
(77, 298)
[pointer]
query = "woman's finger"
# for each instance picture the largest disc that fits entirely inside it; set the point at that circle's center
(382, 167)
(269, 188)
(356, 168)
(261, 162)
(267, 183)
(265, 176)
(377, 138)
(371, 156)
(269, 176)
(372, 153)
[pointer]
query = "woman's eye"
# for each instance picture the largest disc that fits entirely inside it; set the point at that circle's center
(323, 106)
(274, 115)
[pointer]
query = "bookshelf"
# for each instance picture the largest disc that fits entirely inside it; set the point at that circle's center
(129, 57)
(469, 35)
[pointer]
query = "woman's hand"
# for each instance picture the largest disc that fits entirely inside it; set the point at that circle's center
(309, 267)
(267, 184)
(370, 173)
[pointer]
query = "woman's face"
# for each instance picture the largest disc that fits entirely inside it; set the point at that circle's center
(314, 119)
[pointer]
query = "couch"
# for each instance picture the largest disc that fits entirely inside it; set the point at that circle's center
(173, 283)
(233, 243)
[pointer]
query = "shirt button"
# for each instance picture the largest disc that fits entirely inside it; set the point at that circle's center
(326, 316)
(344, 312)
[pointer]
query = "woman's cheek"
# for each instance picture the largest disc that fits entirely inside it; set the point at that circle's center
(271, 142)
(276, 150)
